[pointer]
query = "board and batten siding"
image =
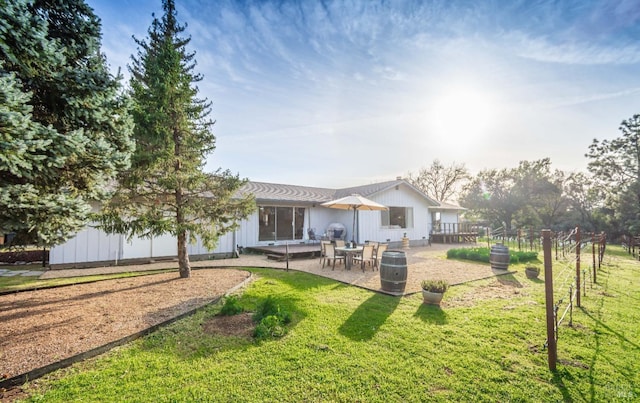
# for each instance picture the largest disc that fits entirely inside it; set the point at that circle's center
(93, 245)
(370, 224)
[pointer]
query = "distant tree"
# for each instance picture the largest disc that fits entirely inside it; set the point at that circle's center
(65, 127)
(615, 165)
(166, 189)
(488, 196)
(585, 201)
(527, 195)
(440, 182)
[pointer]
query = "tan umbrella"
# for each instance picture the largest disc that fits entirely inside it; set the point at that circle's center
(354, 202)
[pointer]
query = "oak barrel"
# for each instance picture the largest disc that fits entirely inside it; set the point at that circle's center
(393, 271)
(499, 257)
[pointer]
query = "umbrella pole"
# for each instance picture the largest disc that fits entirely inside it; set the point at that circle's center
(353, 230)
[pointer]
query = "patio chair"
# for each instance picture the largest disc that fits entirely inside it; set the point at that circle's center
(312, 235)
(330, 253)
(323, 251)
(378, 254)
(340, 243)
(365, 257)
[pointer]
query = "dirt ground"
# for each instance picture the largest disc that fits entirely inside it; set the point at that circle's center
(45, 326)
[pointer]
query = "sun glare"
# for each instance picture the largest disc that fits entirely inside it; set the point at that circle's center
(463, 114)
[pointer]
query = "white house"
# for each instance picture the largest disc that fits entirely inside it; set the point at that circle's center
(285, 214)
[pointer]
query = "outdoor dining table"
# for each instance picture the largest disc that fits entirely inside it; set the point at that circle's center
(349, 253)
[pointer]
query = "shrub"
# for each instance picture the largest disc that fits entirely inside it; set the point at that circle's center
(270, 326)
(435, 285)
(271, 318)
(231, 306)
(484, 255)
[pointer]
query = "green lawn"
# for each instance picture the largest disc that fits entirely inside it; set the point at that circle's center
(17, 283)
(348, 344)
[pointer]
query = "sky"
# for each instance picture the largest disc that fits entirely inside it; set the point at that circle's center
(346, 93)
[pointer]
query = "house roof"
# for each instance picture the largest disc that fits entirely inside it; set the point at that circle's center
(275, 192)
(448, 206)
(287, 193)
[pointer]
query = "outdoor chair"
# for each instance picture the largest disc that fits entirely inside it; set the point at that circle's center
(378, 254)
(323, 251)
(330, 253)
(365, 257)
(312, 235)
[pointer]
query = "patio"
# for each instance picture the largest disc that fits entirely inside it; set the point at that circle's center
(427, 262)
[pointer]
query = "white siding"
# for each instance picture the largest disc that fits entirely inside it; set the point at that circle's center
(370, 221)
(449, 217)
(89, 245)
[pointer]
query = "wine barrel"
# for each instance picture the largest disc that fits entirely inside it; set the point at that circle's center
(393, 271)
(499, 257)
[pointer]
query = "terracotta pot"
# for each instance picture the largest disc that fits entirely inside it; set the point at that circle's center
(432, 298)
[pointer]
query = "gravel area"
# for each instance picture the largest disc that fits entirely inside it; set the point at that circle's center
(44, 326)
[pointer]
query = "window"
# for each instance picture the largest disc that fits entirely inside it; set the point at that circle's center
(280, 223)
(397, 217)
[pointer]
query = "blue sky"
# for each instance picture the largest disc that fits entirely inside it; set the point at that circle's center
(345, 93)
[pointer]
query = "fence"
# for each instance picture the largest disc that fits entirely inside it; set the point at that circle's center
(570, 279)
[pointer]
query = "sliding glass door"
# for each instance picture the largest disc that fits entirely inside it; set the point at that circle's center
(280, 223)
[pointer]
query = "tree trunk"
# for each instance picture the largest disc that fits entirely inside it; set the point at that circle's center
(183, 256)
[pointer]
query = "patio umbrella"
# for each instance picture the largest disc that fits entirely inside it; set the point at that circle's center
(354, 202)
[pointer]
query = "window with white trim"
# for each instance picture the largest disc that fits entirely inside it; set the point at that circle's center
(397, 217)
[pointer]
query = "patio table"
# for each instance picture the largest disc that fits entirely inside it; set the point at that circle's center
(349, 253)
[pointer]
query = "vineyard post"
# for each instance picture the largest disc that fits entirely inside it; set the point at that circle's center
(578, 243)
(593, 252)
(552, 352)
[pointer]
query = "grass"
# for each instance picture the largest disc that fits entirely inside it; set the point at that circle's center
(349, 344)
(19, 283)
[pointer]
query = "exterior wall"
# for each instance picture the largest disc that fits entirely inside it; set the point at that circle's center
(89, 245)
(448, 217)
(94, 246)
(370, 224)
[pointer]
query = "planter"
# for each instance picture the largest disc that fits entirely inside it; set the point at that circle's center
(432, 298)
(531, 273)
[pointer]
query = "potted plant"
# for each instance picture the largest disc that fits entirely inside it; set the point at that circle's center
(433, 291)
(532, 271)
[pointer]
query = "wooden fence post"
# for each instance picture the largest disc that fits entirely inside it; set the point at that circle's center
(593, 252)
(552, 347)
(578, 244)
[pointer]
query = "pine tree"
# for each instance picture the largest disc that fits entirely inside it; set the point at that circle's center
(166, 190)
(64, 126)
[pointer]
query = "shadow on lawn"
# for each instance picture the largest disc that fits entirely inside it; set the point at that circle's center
(431, 314)
(365, 321)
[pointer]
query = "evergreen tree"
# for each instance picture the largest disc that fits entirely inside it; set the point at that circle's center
(64, 125)
(166, 190)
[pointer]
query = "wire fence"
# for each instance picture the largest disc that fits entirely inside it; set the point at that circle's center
(567, 282)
